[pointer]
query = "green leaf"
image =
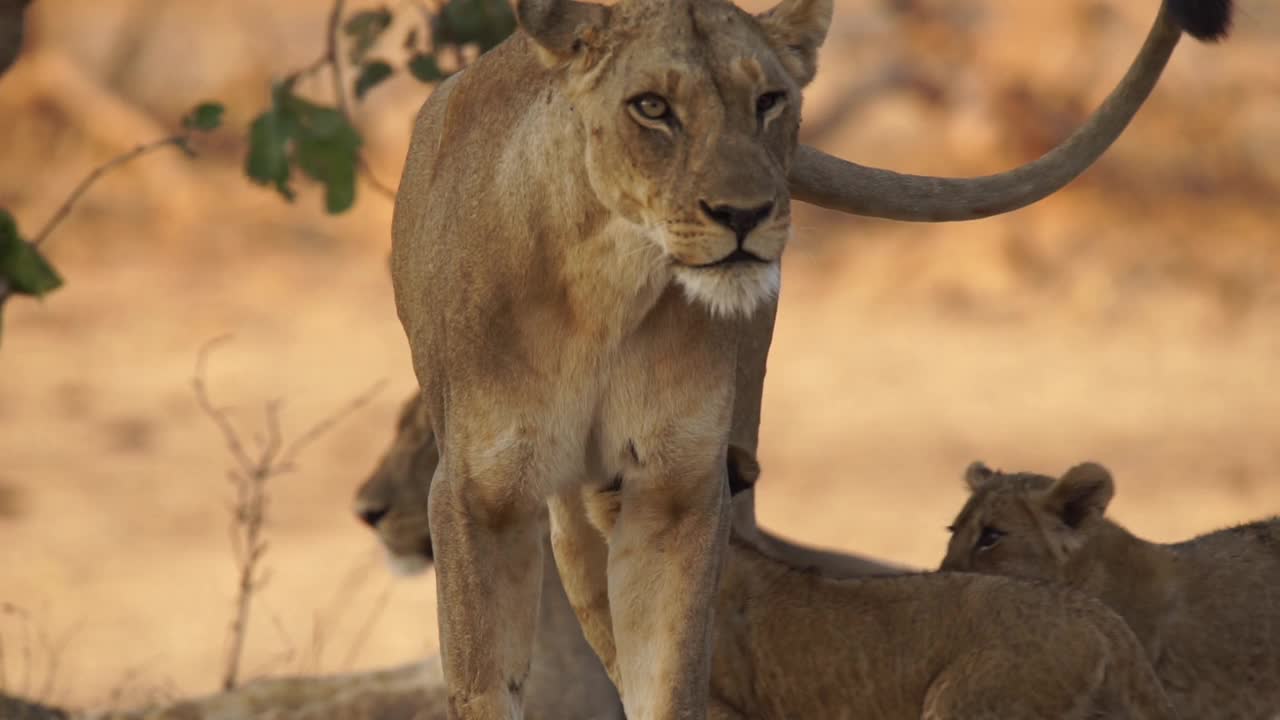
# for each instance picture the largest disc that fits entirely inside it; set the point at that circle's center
(21, 265)
(268, 161)
(424, 68)
(316, 138)
(327, 149)
(484, 22)
(364, 28)
(204, 117)
(370, 75)
(333, 163)
(319, 121)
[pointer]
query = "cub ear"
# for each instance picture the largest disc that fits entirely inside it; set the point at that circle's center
(978, 475)
(561, 28)
(744, 471)
(796, 29)
(1081, 494)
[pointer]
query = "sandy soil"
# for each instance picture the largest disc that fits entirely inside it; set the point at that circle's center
(1134, 320)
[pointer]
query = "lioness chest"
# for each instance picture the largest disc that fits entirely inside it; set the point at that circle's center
(577, 400)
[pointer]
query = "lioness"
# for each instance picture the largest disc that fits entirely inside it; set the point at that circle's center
(585, 259)
(794, 642)
(1206, 610)
(392, 501)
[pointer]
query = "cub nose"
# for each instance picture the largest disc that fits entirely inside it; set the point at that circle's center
(371, 515)
(740, 220)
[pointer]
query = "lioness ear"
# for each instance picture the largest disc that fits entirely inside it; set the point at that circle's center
(743, 470)
(796, 29)
(1082, 493)
(560, 27)
(977, 475)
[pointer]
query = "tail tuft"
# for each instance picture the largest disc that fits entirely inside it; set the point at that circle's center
(1207, 20)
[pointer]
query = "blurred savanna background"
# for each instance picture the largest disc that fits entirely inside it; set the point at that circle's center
(1133, 318)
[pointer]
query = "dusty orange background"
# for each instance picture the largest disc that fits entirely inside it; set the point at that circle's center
(1133, 319)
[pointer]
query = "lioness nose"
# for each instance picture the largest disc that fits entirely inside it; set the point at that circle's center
(371, 515)
(740, 220)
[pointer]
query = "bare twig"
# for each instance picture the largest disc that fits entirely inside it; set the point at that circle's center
(218, 416)
(249, 477)
(333, 42)
(290, 454)
(178, 140)
(316, 653)
(333, 57)
(54, 649)
(23, 619)
(366, 628)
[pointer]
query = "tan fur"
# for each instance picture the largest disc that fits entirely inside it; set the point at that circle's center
(393, 502)
(792, 641)
(585, 299)
(566, 679)
(544, 254)
(1207, 610)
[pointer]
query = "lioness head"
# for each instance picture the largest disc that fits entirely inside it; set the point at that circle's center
(393, 500)
(690, 111)
(1027, 525)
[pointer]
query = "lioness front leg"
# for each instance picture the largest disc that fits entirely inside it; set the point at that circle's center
(488, 556)
(582, 559)
(665, 554)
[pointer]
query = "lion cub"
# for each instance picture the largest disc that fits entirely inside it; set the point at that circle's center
(1207, 610)
(793, 642)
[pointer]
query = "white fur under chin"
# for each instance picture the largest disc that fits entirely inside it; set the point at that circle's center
(733, 291)
(406, 565)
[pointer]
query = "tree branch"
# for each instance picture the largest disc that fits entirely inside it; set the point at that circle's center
(332, 54)
(178, 140)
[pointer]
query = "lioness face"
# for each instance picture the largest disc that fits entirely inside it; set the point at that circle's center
(1027, 525)
(691, 112)
(393, 500)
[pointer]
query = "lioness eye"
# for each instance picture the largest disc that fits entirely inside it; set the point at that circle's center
(651, 106)
(988, 537)
(767, 101)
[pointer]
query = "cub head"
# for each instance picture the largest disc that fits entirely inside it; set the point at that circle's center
(393, 500)
(1027, 525)
(690, 111)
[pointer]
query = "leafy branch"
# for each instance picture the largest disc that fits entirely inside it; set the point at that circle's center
(321, 140)
(24, 270)
(293, 133)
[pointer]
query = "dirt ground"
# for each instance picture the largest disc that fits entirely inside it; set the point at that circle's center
(1134, 320)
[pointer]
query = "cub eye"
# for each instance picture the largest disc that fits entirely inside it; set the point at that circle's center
(651, 106)
(768, 101)
(988, 537)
